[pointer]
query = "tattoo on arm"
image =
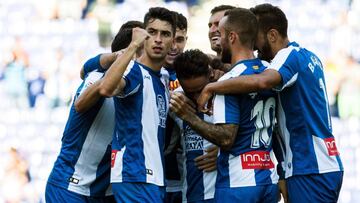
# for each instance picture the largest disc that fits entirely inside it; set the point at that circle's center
(222, 135)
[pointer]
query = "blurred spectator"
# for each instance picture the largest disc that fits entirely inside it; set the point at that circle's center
(103, 11)
(15, 180)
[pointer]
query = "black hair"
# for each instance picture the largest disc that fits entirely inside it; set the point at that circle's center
(192, 63)
(123, 38)
(221, 8)
(244, 23)
(271, 17)
(181, 21)
(162, 14)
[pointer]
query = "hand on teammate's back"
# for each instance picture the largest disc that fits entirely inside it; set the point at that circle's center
(207, 162)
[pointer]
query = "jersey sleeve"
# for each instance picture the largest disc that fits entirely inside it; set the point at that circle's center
(92, 64)
(285, 62)
(133, 79)
(226, 110)
(90, 79)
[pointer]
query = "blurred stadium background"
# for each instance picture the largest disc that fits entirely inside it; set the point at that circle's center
(43, 45)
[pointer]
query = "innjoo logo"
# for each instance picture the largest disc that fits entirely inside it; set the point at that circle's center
(256, 160)
(331, 146)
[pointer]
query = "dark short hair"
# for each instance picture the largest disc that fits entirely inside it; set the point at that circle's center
(123, 38)
(244, 23)
(271, 17)
(162, 14)
(221, 8)
(181, 21)
(190, 64)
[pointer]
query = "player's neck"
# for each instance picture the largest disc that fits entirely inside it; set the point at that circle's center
(281, 44)
(240, 55)
(154, 64)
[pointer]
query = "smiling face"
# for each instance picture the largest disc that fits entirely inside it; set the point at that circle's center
(160, 40)
(214, 33)
(224, 42)
(177, 46)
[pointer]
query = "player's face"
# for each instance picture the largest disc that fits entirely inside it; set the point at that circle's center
(214, 33)
(193, 86)
(263, 47)
(177, 46)
(160, 41)
(224, 41)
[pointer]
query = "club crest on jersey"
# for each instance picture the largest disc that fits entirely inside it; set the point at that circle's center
(162, 110)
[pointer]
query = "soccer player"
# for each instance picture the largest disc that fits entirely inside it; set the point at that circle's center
(312, 166)
(214, 35)
(193, 71)
(81, 172)
(242, 123)
(141, 105)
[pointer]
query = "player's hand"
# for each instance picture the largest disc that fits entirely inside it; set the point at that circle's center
(283, 190)
(207, 162)
(203, 101)
(182, 106)
(139, 35)
(216, 74)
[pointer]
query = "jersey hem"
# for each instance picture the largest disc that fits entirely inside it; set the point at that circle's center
(309, 172)
(81, 192)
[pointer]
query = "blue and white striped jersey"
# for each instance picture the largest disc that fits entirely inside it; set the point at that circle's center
(198, 185)
(140, 118)
(83, 165)
(250, 161)
(303, 114)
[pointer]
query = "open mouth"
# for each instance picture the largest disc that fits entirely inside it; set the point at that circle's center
(157, 49)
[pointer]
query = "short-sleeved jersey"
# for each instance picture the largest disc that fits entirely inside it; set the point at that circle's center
(140, 119)
(198, 185)
(303, 113)
(250, 161)
(83, 165)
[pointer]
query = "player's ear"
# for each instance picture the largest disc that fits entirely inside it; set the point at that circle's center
(232, 37)
(272, 35)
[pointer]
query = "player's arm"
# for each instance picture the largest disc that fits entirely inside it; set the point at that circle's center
(223, 135)
(88, 98)
(113, 82)
(104, 62)
(239, 85)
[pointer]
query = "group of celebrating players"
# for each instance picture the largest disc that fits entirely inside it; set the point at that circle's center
(152, 123)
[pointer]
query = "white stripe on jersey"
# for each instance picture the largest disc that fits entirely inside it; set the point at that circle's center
(94, 148)
(284, 132)
(116, 170)
(325, 162)
(209, 178)
(150, 132)
(240, 179)
(281, 57)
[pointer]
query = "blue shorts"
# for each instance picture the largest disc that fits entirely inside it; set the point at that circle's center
(173, 197)
(55, 194)
(258, 194)
(138, 192)
(203, 201)
(315, 188)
